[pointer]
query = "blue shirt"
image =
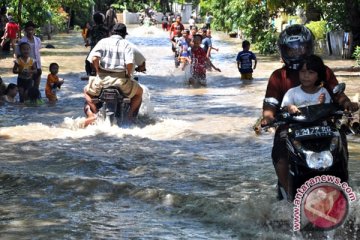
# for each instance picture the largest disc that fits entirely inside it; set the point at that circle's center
(245, 58)
(206, 43)
(185, 48)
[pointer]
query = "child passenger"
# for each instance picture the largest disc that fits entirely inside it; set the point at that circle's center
(244, 61)
(53, 83)
(312, 75)
(25, 67)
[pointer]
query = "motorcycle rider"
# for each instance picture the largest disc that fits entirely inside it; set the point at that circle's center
(113, 61)
(295, 43)
(94, 34)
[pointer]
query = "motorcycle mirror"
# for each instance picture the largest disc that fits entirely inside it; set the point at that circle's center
(340, 88)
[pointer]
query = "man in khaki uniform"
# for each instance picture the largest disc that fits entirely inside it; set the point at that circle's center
(113, 61)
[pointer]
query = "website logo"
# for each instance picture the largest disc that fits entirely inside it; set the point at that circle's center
(322, 202)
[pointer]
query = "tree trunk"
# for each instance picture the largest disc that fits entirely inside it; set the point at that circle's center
(353, 13)
(69, 21)
(19, 16)
(164, 6)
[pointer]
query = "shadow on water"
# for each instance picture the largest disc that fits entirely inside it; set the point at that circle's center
(194, 170)
(75, 180)
(68, 194)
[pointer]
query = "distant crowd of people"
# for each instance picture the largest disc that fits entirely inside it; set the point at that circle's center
(193, 47)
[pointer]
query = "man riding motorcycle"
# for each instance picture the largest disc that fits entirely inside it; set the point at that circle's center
(295, 42)
(113, 61)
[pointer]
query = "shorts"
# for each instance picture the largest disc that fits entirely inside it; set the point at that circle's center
(24, 83)
(246, 76)
(183, 59)
(127, 86)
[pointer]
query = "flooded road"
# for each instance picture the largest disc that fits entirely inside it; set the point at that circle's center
(191, 169)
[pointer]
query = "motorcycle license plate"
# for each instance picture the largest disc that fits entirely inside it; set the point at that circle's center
(318, 131)
(109, 96)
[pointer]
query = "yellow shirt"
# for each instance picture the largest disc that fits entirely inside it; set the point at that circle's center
(25, 66)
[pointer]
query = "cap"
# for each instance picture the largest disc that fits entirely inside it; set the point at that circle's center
(30, 24)
(120, 28)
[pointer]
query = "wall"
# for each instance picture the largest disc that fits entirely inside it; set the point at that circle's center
(185, 11)
(130, 18)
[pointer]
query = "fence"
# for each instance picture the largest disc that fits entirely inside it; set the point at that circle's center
(337, 44)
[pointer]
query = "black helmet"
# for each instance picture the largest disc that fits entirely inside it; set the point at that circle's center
(295, 43)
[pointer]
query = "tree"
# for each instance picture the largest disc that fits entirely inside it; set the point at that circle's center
(42, 11)
(353, 9)
(340, 14)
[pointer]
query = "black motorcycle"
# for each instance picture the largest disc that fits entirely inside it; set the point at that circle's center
(316, 145)
(318, 164)
(113, 106)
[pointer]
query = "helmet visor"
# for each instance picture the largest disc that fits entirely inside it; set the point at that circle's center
(295, 50)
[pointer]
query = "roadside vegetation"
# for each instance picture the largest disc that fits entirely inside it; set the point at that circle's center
(255, 18)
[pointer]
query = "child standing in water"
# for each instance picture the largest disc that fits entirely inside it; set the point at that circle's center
(25, 67)
(244, 61)
(184, 55)
(53, 83)
(199, 62)
(312, 76)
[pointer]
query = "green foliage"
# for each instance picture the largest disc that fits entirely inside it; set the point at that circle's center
(251, 16)
(59, 20)
(42, 12)
(318, 28)
(266, 42)
(356, 55)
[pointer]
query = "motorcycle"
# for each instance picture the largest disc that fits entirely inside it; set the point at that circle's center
(113, 106)
(317, 147)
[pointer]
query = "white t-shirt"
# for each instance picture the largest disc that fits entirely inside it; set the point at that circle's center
(191, 22)
(296, 96)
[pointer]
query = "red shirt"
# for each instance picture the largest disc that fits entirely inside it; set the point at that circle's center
(174, 27)
(11, 29)
(283, 79)
(198, 56)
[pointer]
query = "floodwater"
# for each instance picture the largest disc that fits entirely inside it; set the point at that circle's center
(192, 168)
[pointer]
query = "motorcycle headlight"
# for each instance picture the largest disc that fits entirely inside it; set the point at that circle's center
(319, 160)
